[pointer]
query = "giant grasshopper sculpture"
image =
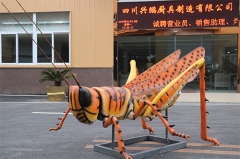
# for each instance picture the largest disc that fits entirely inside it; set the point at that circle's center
(145, 95)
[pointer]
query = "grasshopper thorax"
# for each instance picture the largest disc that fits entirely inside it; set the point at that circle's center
(84, 103)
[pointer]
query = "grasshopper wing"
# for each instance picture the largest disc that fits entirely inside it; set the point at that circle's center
(159, 81)
(135, 79)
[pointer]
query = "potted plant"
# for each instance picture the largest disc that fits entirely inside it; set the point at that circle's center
(55, 92)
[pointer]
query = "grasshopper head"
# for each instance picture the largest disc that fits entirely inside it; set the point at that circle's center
(84, 103)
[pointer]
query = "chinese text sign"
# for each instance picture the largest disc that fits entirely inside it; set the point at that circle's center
(178, 14)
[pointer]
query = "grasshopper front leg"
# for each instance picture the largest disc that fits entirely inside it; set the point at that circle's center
(61, 122)
(113, 120)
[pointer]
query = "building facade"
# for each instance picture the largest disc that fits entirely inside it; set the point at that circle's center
(80, 30)
(85, 34)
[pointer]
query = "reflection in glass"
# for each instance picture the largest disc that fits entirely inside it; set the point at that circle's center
(9, 24)
(53, 21)
(25, 49)
(41, 58)
(61, 44)
(220, 56)
(8, 48)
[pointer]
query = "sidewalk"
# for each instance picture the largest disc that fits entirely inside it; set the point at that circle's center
(184, 97)
(212, 97)
(24, 98)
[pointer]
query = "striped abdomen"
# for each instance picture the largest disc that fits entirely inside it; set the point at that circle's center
(116, 101)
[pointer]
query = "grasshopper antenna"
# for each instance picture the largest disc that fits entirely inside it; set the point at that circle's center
(49, 43)
(37, 45)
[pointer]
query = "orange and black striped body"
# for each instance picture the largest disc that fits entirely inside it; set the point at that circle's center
(89, 104)
(115, 101)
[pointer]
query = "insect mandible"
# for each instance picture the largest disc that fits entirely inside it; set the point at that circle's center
(145, 95)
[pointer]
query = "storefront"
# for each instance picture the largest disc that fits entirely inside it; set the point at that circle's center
(147, 40)
(81, 32)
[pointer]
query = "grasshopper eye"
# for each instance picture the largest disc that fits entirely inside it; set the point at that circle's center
(85, 97)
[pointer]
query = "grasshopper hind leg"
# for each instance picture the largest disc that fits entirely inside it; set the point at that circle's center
(165, 122)
(203, 110)
(146, 126)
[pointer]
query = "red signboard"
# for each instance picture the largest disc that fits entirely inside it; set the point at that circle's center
(178, 14)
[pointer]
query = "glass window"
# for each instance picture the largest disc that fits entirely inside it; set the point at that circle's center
(61, 45)
(25, 49)
(42, 42)
(8, 48)
(17, 47)
(53, 21)
(8, 23)
(220, 56)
